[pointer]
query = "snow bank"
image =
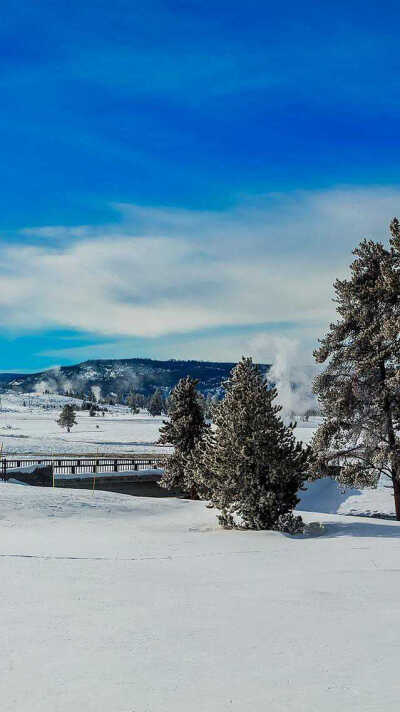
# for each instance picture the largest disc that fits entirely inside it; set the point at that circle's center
(326, 495)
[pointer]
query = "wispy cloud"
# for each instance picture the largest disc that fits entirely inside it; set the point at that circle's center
(164, 272)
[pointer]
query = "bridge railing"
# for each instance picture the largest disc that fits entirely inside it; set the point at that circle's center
(85, 465)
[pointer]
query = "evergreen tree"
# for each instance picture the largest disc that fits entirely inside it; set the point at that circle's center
(202, 403)
(140, 400)
(156, 403)
(132, 403)
(359, 389)
(67, 417)
(197, 466)
(251, 465)
(183, 429)
(167, 403)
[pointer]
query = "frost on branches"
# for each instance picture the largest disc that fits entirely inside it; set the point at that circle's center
(359, 389)
(67, 417)
(251, 465)
(183, 430)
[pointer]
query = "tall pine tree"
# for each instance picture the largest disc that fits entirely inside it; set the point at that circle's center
(359, 389)
(183, 430)
(252, 466)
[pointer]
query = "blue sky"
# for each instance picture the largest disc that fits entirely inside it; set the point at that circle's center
(186, 179)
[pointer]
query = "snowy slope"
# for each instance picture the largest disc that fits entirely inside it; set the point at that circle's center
(119, 376)
(124, 604)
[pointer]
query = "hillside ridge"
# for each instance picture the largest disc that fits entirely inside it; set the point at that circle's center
(118, 377)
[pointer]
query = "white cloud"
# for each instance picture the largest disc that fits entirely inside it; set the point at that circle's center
(163, 271)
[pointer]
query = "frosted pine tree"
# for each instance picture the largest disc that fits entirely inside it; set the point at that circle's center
(252, 465)
(67, 418)
(183, 429)
(359, 389)
(197, 466)
(156, 403)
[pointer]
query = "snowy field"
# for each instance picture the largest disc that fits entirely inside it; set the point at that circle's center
(121, 604)
(113, 603)
(28, 427)
(31, 429)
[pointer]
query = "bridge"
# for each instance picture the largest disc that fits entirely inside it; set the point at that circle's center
(82, 467)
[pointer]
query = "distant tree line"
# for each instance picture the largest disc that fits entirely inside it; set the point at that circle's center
(159, 403)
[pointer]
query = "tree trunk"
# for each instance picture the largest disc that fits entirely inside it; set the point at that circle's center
(392, 444)
(396, 494)
(193, 494)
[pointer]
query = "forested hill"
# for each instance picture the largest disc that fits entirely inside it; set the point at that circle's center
(120, 376)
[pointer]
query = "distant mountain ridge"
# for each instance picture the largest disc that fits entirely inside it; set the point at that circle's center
(7, 377)
(117, 377)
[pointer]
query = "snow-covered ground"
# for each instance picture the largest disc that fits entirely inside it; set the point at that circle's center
(327, 496)
(31, 429)
(122, 604)
(28, 427)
